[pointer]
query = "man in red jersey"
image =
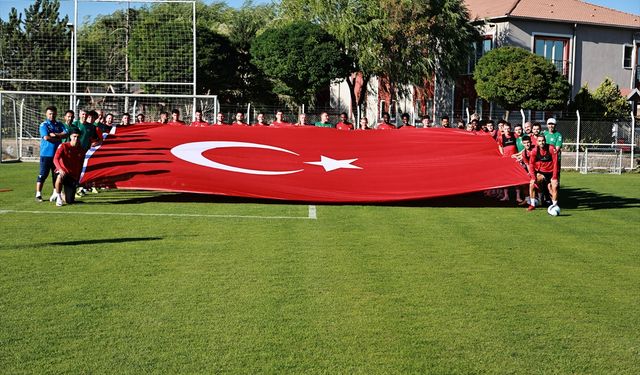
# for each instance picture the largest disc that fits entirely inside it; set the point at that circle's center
(344, 123)
(507, 140)
(406, 121)
(535, 130)
(68, 162)
(523, 158)
(175, 117)
(543, 169)
(239, 121)
(386, 123)
(260, 120)
(364, 124)
(507, 144)
(279, 121)
(302, 120)
(198, 121)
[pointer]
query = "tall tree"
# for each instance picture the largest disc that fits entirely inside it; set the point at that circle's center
(244, 25)
(301, 58)
(406, 41)
(36, 46)
(516, 78)
(614, 105)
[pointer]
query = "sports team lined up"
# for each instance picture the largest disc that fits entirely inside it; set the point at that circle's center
(537, 151)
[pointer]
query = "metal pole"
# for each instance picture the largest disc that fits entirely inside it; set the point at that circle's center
(524, 118)
(71, 29)
(633, 138)
(195, 74)
(75, 55)
(21, 128)
(248, 120)
(578, 141)
(0, 126)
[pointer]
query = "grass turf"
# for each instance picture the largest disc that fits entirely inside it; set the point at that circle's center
(457, 285)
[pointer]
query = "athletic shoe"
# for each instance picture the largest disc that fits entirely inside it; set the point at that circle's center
(38, 198)
(531, 208)
(53, 197)
(94, 190)
(59, 201)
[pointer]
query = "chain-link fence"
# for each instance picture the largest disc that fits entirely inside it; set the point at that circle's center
(86, 46)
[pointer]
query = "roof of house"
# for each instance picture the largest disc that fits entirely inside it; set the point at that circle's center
(630, 94)
(554, 10)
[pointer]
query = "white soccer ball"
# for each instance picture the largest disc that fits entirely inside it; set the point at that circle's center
(553, 210)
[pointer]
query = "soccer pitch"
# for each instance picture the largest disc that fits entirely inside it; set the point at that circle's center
(137, 282)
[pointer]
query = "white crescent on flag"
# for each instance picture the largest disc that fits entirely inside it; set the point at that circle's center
(192, 152)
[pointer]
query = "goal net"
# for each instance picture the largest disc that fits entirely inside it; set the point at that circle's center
(601, 160)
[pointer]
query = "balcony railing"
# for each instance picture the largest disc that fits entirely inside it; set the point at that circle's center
(562, 66)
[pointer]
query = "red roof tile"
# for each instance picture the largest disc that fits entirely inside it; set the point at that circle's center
(555, 10)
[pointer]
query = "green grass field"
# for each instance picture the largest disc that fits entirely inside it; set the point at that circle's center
(137, 282)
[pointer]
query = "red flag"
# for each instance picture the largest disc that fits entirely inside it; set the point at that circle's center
(301, 163)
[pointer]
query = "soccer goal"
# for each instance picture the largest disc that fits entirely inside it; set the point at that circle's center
(601, 160)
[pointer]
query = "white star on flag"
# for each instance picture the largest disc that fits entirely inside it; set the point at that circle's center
(330, 164)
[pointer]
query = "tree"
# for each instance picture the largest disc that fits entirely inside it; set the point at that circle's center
(36, 47)
(515, 78)
(217, 61)
(300, 58)
(614, 105)
(243, 26)
(406, 41)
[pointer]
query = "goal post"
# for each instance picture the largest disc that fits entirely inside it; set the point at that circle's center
(601, 160)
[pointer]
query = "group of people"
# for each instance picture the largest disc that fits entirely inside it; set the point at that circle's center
(64, 144)
(538, 152)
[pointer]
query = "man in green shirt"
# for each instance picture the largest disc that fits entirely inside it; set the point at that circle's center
(88, 133)
(69, 125)
(82, 115)
(517, 130)
(554, 138)
(324, 121)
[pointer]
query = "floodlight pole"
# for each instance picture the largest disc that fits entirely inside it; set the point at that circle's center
(195, 74)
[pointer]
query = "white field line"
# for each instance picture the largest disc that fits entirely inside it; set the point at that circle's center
(97, 213)
(313, 215)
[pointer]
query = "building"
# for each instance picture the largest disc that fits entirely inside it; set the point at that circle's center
(586, 43)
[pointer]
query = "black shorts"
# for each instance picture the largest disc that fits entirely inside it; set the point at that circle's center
(69, 185)
(547, 175)
(46, 167)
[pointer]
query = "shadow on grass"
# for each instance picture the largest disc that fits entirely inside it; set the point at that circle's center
(575, 198)
(570, 198)
(105, 240)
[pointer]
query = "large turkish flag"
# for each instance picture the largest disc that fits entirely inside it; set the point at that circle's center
(301, 163)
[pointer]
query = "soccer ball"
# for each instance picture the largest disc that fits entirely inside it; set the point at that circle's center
(553, 210)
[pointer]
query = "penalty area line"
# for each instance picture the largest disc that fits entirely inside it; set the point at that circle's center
(97, 213)
(313, 214)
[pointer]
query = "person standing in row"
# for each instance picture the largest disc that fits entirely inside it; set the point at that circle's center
(51, 134)
(68, 162)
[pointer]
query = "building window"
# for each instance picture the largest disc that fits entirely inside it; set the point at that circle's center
(479, 49)
(555, 50)
(627, 57)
